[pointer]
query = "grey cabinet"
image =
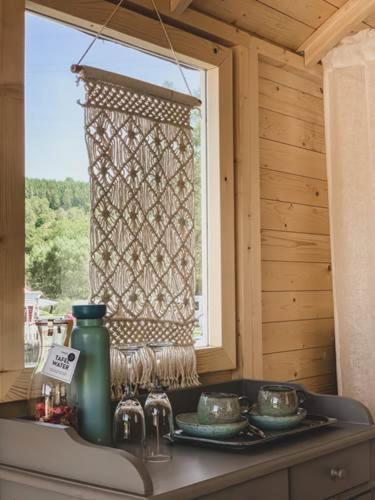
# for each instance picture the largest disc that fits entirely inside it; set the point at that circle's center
(53, 462)
(331, 474)
(271, 487)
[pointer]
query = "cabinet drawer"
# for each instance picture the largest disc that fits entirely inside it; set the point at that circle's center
(331, 474)
(270, 487)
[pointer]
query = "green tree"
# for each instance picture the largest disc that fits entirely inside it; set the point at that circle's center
(57, 242)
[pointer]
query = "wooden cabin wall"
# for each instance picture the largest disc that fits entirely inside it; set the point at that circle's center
(297, 304)
(294, 263)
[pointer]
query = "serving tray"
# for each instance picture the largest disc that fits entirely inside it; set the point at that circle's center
(247, 440)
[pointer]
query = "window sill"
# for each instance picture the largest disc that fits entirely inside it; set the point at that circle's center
(14, 384)
(215, 359)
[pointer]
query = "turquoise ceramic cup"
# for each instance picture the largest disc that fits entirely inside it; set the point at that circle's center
(278, 400)
(221, 408)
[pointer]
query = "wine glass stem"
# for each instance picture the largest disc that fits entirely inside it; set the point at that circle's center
(156, 423)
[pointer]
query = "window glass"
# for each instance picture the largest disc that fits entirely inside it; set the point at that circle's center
(57, 190)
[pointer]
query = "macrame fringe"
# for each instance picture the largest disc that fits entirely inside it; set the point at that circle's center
(177, 369)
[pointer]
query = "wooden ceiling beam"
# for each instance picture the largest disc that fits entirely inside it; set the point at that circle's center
(179, 6)
(226, 34)
(335, 28)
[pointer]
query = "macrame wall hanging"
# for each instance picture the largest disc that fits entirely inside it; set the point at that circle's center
(142, 216)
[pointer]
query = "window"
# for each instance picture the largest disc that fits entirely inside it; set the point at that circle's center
(214, 62)
(57, 185)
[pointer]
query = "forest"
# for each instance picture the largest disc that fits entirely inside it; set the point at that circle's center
(57, 242)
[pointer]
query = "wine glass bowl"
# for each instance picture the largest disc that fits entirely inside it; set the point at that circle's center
(129, 420)
(158, 414)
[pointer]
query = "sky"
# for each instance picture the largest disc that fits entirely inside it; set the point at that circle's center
(55, 143)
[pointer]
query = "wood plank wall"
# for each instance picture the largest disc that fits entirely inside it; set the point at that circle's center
(12, 215)
(297, 308)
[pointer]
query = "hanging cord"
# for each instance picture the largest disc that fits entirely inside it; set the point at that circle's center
(113, 13)
(171, 47)
(76, 67)
(100, 31)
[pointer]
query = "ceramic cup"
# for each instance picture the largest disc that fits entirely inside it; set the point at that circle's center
(278, 400)
(221, 408)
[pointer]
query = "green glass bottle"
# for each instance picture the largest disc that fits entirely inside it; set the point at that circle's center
(91, 383)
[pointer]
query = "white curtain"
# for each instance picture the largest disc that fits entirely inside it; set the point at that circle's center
(349, 93)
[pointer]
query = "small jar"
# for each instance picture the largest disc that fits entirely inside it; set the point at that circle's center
(48, 397)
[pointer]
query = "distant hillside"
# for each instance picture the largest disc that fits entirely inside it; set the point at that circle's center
(57, 240)
(60, 194)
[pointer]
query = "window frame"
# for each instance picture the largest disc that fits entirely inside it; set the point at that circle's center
(144, 33)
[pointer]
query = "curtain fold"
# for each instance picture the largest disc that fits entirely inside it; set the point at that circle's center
(349, 94)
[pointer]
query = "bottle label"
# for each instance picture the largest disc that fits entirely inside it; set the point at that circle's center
(61, 363)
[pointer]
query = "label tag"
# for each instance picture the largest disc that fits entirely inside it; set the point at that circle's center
(61, 363)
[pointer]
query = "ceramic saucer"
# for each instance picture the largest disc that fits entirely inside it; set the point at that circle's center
(276, 423)
(188, 422)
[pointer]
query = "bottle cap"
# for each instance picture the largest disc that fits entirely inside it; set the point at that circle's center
(89, 311)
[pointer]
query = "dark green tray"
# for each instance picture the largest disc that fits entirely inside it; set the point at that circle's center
(248, 441)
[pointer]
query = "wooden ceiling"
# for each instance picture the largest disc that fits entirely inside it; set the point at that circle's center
(309, 27)
(286, 22)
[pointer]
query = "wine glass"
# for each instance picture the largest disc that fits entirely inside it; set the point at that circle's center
(158, 414)
(129, 421)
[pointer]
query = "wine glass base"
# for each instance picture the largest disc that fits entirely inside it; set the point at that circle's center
(158, 458)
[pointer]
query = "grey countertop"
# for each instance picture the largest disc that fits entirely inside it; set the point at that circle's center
(196, 471)
(28, 454)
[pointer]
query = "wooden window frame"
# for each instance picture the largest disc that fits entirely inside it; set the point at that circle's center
(142, 32)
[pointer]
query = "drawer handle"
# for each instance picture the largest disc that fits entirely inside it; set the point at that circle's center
(337, 474)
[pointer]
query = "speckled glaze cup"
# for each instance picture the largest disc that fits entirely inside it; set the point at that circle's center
(221, 408)
(278, 400)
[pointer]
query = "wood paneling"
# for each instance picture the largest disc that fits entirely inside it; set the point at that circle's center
(284, 77)
(293, 131)
(215, 377)
(248, 244)
(294, 305)
(291, 102)
(215, 29)
(295, 247)
(310, 12)
(294, 365)
(12, 208)
(295, 335)
(324, 384)
(279, 215)
(297, 302)
(293, 188)
(285, 276)
(291, 159)
(256, 17)
(281, 21)
(179, 6)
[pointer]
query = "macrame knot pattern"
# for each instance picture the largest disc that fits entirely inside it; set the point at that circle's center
(141, 164)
